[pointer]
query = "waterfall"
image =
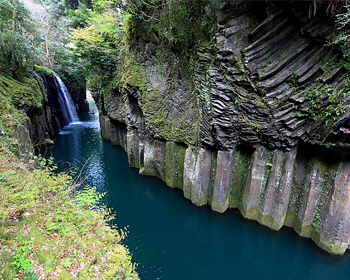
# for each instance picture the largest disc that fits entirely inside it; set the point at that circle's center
(69, 113)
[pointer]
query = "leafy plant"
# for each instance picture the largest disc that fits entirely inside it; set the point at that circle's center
(22, 261)
(100, 43)
(180, 25)
(48, 225)
(16, 48)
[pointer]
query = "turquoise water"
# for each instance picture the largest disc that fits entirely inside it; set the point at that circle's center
(172, 239)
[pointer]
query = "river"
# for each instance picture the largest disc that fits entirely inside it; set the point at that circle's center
(170, 238)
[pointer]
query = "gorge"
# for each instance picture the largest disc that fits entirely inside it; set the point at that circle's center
(240, 107)
(257, 119)
(170, 238)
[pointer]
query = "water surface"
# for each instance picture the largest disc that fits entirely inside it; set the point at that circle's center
(172, 239)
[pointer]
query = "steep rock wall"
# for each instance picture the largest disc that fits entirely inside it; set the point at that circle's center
(259, 122)
(26, 116)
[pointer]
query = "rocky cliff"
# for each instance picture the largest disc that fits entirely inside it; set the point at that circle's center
(25, 120)
(256, 118)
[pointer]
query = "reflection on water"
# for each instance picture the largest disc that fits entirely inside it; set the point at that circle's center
(172, 239)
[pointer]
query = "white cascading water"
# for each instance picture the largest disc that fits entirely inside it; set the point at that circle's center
(69, 112)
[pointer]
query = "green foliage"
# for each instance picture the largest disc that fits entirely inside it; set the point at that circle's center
(22, 261)
(100, 44)
(80, 16)
(54, 7)
(21, 90)
(180, 25)
(49, 228)
(44, 70)
(16, 47)
(342, 35)
(45, 235)
(330, 7)
(104, 33)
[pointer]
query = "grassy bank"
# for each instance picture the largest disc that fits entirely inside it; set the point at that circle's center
(46, 232)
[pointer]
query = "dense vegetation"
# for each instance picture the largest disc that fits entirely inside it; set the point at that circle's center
(49, 231)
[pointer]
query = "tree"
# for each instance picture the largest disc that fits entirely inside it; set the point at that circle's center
(100, 42)
(17, 50)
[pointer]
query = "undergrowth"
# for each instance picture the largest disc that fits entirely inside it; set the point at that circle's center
(49, 230)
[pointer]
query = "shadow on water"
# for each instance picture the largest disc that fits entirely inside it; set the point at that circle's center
(170, 238)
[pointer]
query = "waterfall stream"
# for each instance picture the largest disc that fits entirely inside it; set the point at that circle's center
(69, 112)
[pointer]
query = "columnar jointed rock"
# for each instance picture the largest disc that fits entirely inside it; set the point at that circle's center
(105, 125)
(334, 230)
(273, 187)
(134, 148)
(153, 159)
(229, 130)
(198, 175)
(222, 181)
(174, 164)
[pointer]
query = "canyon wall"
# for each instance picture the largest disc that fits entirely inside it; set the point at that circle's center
(25, 123)
(256, 119)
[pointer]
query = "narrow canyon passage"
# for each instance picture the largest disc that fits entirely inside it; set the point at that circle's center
(170, 238)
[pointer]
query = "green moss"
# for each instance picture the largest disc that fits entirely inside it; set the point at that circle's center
(269, 221)
(330, 247)
(187, 194)
(335, 248)
(160, 116)
(266, 178)
(290, 219)
(150, 171)
(203, 200)
(19, 95)
(45, 70)
(174, 164)
(132, 148)
(218, 207)
(242, 165)
(213, 175)
(253, 213)
(239, 35)
(24, 92)
(132, 74)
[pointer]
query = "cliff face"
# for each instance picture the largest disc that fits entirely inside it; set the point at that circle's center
(25, 120)
(259, 120)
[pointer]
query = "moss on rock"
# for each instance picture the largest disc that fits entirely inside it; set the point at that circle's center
(174, 164)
